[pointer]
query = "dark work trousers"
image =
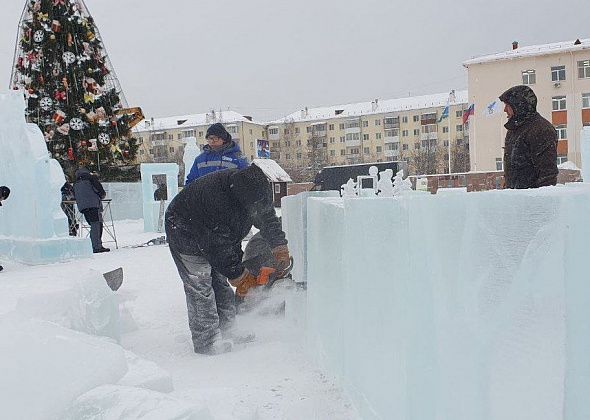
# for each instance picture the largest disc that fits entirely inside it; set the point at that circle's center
(94, 218)
(68, 209)
(210, 300)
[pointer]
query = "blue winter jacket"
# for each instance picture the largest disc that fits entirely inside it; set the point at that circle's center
(230, 156)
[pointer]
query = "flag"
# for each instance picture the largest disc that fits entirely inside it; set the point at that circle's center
(493, 108)
(467, 113)
(444, 114)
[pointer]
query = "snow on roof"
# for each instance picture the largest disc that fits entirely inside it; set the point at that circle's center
(272, 170)
(191, 120)
(568, 165)
(531, 51)
(375, 107)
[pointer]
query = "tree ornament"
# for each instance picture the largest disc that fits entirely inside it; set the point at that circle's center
(91, 117)
(49, 135)
(64, 129)
(76, 124)
(52, 37)
(39, 36)
(42, 16)
(59, 2)
(69, 57)
(56, 26)
(88, 98)
(60, 96)
(70, 40)
(90, 36)
(46, 103)
(104, 138)
(59, 117)
(93, 147)
(101, 113)
(70, 153)
(126, 154)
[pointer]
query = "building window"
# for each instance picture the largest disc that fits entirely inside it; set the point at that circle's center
(276, 145)
(308, 129)
(558, 103)
(200, 134)
(342, 139)
(298, 155)
(445, 129)
(296, 130)
(459, 128)
(445, 143)
(561, 132)
(285, 131)
(405, 133)
(272, 131)
(379, 149)
(405, 119)
(178, 136)
(459, 114)
(172, 150)
(557, 73)
(417, 145)
(392, 133)
(365, 137)
(331, 127)
(366, 150)
(416, 118)
(584, 69)
(416, 131)
(365, 123)
(378, 136)
(355, 151)
(342, 152)
(341, 126)
(529, 77)
(332, 140)
(499, 164)
(287, 143)
(287, 156)
(353, 136)
(585, 100)
(561, 159)
(404, 147)
(298, 143)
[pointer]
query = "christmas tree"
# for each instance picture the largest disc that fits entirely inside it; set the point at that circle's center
(72, 92)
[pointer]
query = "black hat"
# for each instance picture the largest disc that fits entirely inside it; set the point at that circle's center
(218, 130)
(4, 192)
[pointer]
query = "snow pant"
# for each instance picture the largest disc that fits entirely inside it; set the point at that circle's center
(210, 300)
(94, 218)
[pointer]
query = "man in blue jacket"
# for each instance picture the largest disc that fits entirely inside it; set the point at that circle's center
(220, 152)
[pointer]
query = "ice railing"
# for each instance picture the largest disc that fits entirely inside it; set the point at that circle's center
(453, 306)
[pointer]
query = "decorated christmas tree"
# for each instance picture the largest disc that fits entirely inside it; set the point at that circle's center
(71, 89)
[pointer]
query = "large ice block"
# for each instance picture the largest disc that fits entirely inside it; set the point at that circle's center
(459, 306)
(151, 208)
(33, 227)
(127, 199)
(585, 151)
(191, 151)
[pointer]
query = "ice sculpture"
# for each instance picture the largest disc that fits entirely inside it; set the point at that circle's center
(151, 208)
(33, 227)
(348, 189)
(400, 185)
(384, 185)
(191, 151)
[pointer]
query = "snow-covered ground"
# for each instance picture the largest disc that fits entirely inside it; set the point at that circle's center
(271, 378)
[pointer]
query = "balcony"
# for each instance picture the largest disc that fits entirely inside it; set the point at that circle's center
(391, 153)
(391, 123)
(273, 133)
(393, 139)
(352, 143)
(426, 119)
(429, 136)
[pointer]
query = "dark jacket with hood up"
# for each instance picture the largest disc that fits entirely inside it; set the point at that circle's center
(530, 149)
(88, 190)
(213, 214)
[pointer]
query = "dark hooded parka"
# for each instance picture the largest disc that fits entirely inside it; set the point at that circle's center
(530, 149)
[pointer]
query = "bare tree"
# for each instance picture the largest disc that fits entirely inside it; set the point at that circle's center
(426, 160)
(460, 158)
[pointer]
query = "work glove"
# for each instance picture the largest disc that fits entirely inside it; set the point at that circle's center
(282, 258)
(244, 283)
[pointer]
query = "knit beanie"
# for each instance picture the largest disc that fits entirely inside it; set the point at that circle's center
(4, 192)
(218, 130)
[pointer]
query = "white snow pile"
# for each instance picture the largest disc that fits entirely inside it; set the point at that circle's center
(60, 358)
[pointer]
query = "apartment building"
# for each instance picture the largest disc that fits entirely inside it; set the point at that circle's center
(558, 73)
(163, 139)
(377, 131)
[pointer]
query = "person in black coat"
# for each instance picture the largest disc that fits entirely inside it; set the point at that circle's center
(4, 193)
(205, 225)
(89, 193)
(67, 205)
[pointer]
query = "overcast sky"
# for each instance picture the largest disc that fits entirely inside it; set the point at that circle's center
(268, 58)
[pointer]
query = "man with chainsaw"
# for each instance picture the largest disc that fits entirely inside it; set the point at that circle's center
(205, 225)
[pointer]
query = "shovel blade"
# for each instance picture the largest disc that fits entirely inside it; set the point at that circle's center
(114, 278)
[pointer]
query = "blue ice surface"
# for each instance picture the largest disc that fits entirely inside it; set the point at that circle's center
(151, 208)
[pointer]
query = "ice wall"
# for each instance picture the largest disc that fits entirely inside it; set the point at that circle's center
(127, 199)
(33, 227)
(585, 150)
(459, 306)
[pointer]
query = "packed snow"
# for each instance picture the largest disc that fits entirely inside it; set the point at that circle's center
(60, 358)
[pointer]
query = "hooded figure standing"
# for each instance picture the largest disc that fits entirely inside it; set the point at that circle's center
(205, 225)
(530, 149)
(89, 193)
(220, 152)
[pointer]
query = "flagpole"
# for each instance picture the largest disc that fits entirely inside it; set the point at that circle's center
(449, 142)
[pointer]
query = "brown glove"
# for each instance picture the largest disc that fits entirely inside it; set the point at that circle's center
(244, 283)
(282, 258)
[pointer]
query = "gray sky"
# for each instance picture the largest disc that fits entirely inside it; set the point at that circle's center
(268, 58)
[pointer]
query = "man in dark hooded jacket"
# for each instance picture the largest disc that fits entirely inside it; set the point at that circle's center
(220, 152)
(530, 149)
(89, 193)
(205, 225)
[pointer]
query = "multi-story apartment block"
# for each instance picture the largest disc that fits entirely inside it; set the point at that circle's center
(558, 73)
(377, 131)
(163, 139)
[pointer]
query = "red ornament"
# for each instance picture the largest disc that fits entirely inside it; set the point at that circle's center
(59, 117)
(70, 153)
(126, 154)
(60, 96)
(58, 2)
